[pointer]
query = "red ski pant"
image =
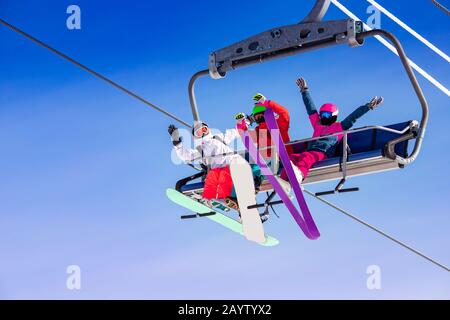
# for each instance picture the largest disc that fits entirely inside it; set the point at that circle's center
(218, 184)
(304, 161)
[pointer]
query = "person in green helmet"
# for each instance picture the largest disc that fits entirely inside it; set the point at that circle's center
(261, 134)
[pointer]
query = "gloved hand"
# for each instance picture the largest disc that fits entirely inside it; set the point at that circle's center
(242, 121)
(301, 83)
(174, 134)
(260, 99)
(239, 116)
(375, 102)
(248, 118)
(251, 119)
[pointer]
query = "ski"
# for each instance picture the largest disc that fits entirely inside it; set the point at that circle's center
(287, 165)
(265, 170)
(225, 221)
(242, 176)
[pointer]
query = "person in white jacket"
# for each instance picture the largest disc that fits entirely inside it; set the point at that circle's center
(208, 146)
(215, 153)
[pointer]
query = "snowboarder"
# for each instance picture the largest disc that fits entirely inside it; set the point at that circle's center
(214, 152)
(324, 123)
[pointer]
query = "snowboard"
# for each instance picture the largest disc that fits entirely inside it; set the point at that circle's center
(243, 183)
(220, 218)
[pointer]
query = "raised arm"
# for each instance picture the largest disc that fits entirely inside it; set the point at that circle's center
(185, 154)
(308, 101)
(282, 112)
(348, 122)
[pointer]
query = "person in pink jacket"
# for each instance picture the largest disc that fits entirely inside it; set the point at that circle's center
(324, 123)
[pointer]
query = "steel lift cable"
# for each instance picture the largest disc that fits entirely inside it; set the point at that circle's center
(384, 234)
(410, 30)
(94, 73)
(440, 6)
(425, 74)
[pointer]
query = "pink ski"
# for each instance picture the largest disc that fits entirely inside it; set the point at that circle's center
(287, 165)
(259, 160)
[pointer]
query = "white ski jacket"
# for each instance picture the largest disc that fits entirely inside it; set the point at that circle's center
(210, 145)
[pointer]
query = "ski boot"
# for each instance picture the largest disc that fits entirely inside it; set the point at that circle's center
(231, 202)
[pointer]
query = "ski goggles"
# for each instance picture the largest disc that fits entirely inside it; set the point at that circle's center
(200, 132)
(326, 115)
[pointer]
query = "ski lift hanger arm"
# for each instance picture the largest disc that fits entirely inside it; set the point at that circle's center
(418, 90)
(317, 12)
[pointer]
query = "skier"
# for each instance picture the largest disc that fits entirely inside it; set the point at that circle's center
(212, 150)
(263, 138)
(324, 123)
(261, 135)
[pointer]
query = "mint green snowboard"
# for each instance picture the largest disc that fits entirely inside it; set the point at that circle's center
(220, 218)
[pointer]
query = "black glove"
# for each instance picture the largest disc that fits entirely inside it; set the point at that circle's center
(173, 131)
(251, 119)
(302, 84)
(375, 102)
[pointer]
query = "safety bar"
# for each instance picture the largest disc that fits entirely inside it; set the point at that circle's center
(316, 138)
(344, 155)
(352, 131)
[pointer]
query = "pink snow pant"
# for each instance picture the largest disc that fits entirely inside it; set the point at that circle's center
(304, 161)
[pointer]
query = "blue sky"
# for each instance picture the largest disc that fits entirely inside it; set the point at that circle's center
(84, 167)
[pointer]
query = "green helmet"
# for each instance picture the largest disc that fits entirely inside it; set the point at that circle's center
(258, 109)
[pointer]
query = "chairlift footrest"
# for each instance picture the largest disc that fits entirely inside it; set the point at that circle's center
(324, 193)
(265, 204)
(348, 190)
(198, 215)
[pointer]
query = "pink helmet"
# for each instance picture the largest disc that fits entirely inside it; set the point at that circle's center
(329, 107)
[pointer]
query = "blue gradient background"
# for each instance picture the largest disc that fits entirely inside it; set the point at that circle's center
(84, 168)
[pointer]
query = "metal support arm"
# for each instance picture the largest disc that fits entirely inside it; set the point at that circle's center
(418, 90)
(317, 12)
